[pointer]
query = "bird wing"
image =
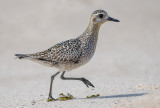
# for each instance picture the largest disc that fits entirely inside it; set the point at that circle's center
(67, 51)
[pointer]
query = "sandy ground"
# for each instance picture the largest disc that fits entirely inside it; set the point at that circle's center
(125, 68)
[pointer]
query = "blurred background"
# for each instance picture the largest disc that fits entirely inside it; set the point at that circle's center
(130, 47)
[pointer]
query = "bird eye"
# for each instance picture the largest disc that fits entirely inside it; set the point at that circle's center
(100, 15)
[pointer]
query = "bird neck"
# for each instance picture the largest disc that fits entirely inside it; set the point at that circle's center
(93, 29)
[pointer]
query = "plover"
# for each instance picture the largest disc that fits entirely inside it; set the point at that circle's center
(73, 53)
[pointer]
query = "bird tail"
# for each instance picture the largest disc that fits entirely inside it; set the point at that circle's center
(21, 56)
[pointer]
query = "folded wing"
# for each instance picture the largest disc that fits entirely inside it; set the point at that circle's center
(68, 51)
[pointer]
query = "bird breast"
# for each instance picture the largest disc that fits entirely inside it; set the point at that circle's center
(88, 48)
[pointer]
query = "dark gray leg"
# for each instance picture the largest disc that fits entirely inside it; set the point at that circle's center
(85, 81)
(50, 90)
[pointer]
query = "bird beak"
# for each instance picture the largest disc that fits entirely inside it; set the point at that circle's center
(112, 19)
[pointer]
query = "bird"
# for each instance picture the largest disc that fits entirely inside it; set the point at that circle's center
(73, 53)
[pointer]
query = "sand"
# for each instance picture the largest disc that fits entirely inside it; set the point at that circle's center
(125, 69)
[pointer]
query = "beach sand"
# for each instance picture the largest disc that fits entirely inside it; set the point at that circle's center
(125, 69)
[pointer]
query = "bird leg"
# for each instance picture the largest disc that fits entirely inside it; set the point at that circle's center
(50, 91)
(85, 81)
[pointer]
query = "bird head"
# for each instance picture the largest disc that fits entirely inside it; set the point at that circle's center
(100, 16)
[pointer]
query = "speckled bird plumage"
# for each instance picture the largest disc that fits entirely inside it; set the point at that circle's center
(73, 53)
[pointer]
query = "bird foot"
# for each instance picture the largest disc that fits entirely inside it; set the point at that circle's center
(50, 98)
(87, 83)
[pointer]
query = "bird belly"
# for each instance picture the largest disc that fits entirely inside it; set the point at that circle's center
(85, 58)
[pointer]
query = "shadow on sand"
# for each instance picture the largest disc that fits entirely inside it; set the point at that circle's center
(119, 96)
